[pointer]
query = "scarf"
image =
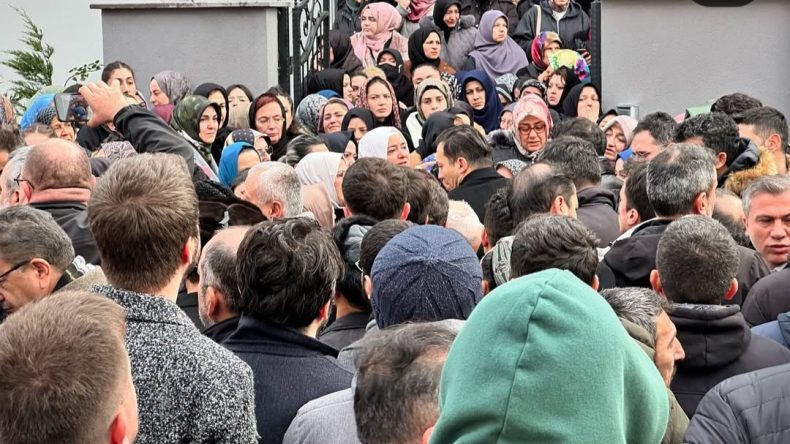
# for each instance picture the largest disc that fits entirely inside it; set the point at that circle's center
(627, 124)
(438, 122)
(338, 142)
(206, 89)
(428, 85)
(496, 59)
(572, 60)
(375, 142)
(308, 111)
(530, 105)
(335, 101)
(439, 10)
(173, 84)
(570, 106)
(488, 117)
(320, 168)
(328, 79)
(417, 55)
(394, 118)
(360, 113)
(388, 20)
(538, 45)
(341, 47)
(186, 121)
(229, 162)
(419, 9)
(278, 149)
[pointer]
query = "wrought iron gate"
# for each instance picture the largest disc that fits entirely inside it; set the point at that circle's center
(303, 31)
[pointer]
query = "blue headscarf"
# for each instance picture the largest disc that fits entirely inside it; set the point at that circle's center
(229, 162)
(488, 117)
(37, 105)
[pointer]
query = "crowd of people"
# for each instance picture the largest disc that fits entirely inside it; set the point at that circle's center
(442, 238)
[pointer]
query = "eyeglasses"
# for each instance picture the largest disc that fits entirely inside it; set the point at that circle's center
(539, 128)
(18, 181)
(13, 269)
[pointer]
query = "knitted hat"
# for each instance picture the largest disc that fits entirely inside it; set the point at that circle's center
(426, 273)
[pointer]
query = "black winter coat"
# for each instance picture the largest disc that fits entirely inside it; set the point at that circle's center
(573, 28)
(290, 370)
(718, 344)
(631, 260)
(477, 188)
(768, 298)
(598, 212)
(73, 218)
(503, 147)
(749, 408)
(346, 21)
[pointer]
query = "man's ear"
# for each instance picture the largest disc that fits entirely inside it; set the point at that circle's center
(367, 284)
(278, 212)
(346, 212)
(486, 244)
(721, 160)
(485, 287)
(632, 217)
(323, 315)
(92, 182)
(701, 203)
(119, 427)
(557, 205)
(595, 283)
(43, 271)
(426, 435)
(462, 165)
(212, 302)
(404, 214)
(25, 192)
(655, 282)
(732, 290)
(774, 143)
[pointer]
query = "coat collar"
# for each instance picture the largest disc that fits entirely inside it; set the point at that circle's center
(142, 307)
(258, 335)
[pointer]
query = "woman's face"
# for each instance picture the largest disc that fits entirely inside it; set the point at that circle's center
(357, 83)
(615, 141)
(348, 91)
(289, 111)
(63, 130)
(475, 94)
(236, 97)
(359, 127)
(247, 159)
(368, 20)
(333, 117)
(387, 59)
(532, 90)
(209, 123)
(500, 30)
(219, 99)
(432, 101)
(532, 133)
(157, 96)
(589, 104)
(341, 173)
(549, 49)
(350, 154)
(451, 16)
(506, 121)
(432, 46)
(125, 79)
(263, 149)
(555, 89)
(379, 101)
(269, 120)
(397, 150)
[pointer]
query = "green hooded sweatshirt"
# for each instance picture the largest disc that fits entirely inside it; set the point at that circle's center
(544, 359)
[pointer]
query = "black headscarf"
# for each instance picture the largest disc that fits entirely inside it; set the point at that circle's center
(331, 79)
(219, 143)
(436, 123)
(404, 90)
(416, 53)
(337, 142)
(278, 149)
(341, 48)
(361, 113)
(461, 107)
(570, 106)
(571, 80)
(439, 10)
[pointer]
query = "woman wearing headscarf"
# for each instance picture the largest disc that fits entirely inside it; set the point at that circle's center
(167, 90)
(418, 9)
(543, 46)
(267, 116)
(457, 32)
(236, 157)
(584, 100)
(342, 142)
(7, 116)
(532, 125)
(391, 62)
(619, 133)
(217, 94)
(341, 54)
(63, 130)
(238, 95)
(330, 119)
(434, 125)
(197, 120)
(379, 24)
(358, 121)
(431, 96)
(378, 96)
(329, 79)
(256, 139)
(495, 52)
(308, 111)
(386, 143)
(425, 48)
(324, 168)
(479, 91)
(560, 84)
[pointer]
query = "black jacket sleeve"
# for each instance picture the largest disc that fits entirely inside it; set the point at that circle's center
(714, 422)
(149, 134)
(525, 31)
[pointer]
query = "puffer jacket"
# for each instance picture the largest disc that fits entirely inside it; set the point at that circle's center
(503, 147)
(573, 28)
(778, 330)
(749, 408)
(455, 50)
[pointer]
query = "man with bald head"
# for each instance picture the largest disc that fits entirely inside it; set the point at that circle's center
(218, 291)
(56, 178)
(275, 189)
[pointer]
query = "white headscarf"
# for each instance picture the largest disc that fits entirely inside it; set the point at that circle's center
(322, 168)
(375, 142)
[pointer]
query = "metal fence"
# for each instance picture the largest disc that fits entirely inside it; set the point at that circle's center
(304, 42)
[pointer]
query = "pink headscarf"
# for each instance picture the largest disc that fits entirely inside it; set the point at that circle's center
(419, 9)
(627, 124)
(530, 105)
(387, 21)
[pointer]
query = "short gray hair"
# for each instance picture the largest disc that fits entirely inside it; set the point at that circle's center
(773, 185)
(218, 270)
(276, 181)
(463, 219)
(676, 176)
(27, 233)
(638, 305)
(16, 162)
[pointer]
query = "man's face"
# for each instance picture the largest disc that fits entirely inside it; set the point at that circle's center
(768, 226)
(20, 286)
(201, 296)
(357, 83)
(668, 348)
(449, 173)
(622, 211)
(645, 146)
